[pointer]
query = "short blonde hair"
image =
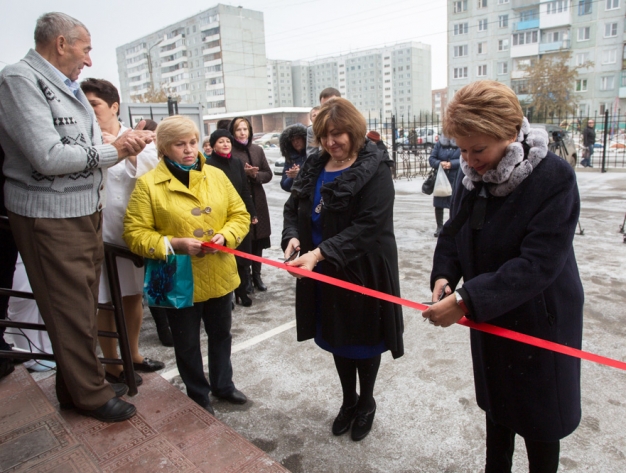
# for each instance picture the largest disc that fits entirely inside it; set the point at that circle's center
(484, 107)
(172, 129)
(236, 124)
(345, 118)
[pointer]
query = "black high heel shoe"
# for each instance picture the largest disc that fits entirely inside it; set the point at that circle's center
(242, 298)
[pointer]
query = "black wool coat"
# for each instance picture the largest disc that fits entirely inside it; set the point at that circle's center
(359, 246)
(233, 168)
(520, 273)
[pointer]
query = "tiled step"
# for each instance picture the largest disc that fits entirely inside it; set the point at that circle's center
(170, 433)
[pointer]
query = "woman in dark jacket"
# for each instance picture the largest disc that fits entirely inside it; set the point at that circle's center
(293, 148)
(510, 238)
(340, 217)
(221, 158)
(258, 172)
(446, 153)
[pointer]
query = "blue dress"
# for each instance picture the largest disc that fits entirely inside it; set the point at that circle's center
(356, 352)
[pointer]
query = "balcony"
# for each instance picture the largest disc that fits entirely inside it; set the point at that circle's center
(216, 49)
(167, 75)
(137, 53)
(526, 25)
(518, 74)
(556, 19)
(214, 62)
(172, 40)
(622, 92)
(522, 50)
(213, 37)
(554, 47)
(173, 62)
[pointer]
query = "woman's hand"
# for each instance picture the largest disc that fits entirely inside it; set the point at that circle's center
(188, 246)
(217, 239)
(306, 261)
(251, 171)
(440, 284)
(293, 171)
(291, 246)
(254, 221)
(446, 164)
(444, 313)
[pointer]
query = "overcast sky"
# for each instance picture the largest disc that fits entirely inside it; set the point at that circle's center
(294, 29)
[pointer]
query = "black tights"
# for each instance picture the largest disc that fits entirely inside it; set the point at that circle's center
(347, 369)
(543, 457)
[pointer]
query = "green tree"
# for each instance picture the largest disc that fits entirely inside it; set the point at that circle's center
(551, 83)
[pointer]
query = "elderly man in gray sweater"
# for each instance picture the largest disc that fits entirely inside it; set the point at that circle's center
(55, 169)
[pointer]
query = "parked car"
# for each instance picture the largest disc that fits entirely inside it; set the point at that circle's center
(268, 139)
(420, 138)
(256, 136)
(278, 167)
(561, 142)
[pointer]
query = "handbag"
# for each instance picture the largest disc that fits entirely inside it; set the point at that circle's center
(442, 184)
(168, 283)
(429, 183)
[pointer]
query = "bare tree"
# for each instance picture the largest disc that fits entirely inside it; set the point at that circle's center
(155, 96)
(551, 83)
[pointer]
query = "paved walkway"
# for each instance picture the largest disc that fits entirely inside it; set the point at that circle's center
(170, 433)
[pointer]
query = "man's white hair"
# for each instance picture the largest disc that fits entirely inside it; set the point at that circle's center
(52, 25)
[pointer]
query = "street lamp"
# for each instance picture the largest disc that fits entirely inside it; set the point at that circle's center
(149, 58)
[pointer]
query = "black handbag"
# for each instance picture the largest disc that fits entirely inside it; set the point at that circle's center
(429, 183)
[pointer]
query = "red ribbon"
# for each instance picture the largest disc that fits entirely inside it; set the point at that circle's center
(483, 327)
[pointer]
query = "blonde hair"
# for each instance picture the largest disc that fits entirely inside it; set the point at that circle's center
(236, 124)
(172, 129)
(484, 107)
(344, 117)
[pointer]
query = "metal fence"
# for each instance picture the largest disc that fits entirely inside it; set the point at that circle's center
(411, 139)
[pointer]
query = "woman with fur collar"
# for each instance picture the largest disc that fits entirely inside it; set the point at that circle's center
(510, 239)
(293, 148)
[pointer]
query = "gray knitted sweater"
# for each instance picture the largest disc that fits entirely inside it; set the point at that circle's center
(55, 163)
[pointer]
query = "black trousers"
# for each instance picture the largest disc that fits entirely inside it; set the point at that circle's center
(543, 457)
(185, 325)
(8, 257)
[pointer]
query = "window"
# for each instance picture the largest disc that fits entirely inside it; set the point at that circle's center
(482, 3)
(584, 33)
(460, 6)
(607, 83)
(584, 7)
(528, 37)
(581, 58)
(558, 6)
(503, 45)
(612, 4)
(460, 72)
(482, 48)
(503, 21)
(482, 70)
(482, 25)
(460, 28)
(610, 30)
(581, 85)
(503, 67)
(502, 2)
(609, 56)
(460, 51)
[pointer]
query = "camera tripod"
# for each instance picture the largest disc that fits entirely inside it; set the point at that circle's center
(558, 147)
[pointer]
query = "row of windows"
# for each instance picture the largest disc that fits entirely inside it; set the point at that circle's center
(483, 24)
(553, 7)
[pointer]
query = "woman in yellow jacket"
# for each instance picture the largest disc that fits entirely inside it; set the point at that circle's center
(189, 202)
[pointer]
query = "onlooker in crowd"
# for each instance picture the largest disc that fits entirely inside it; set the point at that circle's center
(105, 100)
(258, 171)
(8, 257)
(191, 202)
(589, 141)
(310, 146)
(223, 124)
(207, 149)
(222, 143)
(510, 238)
(446, 153)
(293, 148)
(374, 137)
(54, 194)
(150, 124)
(340, 216)
(325, 95)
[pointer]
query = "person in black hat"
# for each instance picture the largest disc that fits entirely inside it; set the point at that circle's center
(221, 157)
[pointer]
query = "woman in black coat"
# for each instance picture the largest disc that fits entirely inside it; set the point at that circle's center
(293, 148)
(221, 158)
(446, 153)
(340, 217)
(510, 238)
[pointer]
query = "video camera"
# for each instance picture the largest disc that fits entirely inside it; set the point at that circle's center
(557, 136)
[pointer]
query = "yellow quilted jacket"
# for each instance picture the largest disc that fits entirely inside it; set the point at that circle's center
(161, 206)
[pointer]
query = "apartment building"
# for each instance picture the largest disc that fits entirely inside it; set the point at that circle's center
(215, 58)
(381, 81)
(494, 39)
(440, 101)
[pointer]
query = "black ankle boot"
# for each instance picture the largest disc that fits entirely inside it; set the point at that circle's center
(258, 282)
(439, 218)
(241, 297)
